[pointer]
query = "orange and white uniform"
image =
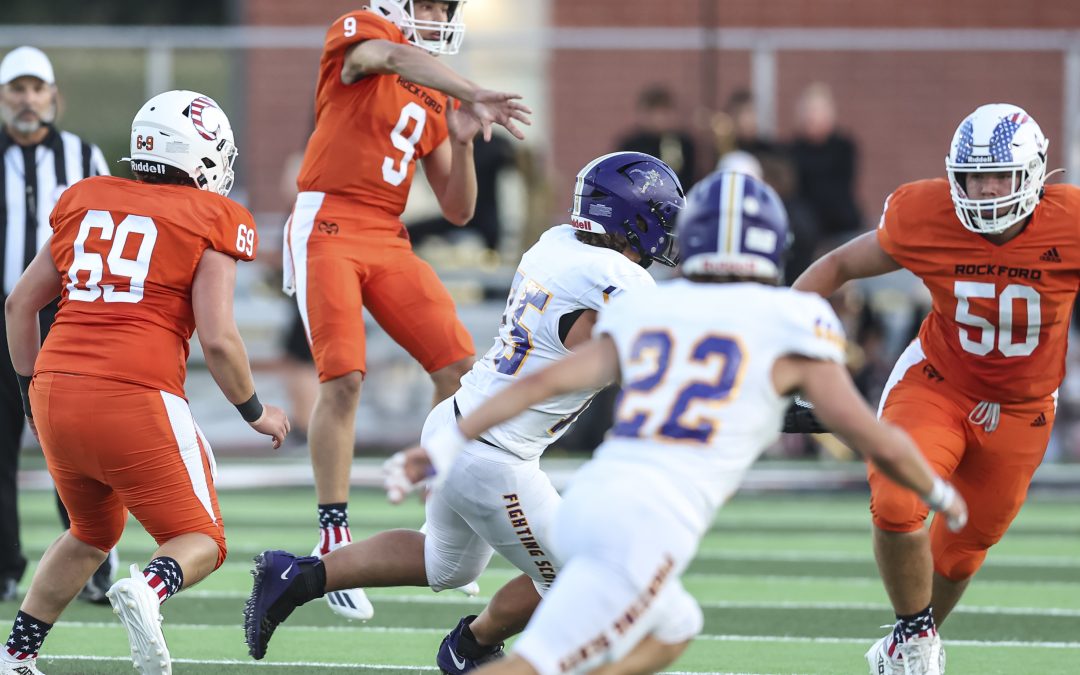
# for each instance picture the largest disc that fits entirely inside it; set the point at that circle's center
(346, 247)
(977, 388)
(108, 387)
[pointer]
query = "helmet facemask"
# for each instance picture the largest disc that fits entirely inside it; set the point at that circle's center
(449, 33)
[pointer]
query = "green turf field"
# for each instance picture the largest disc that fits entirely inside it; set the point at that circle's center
(787, 583)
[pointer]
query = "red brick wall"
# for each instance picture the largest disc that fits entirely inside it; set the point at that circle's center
(901, 107)
(821, 13)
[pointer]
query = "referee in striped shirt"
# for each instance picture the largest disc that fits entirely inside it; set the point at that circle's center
(37, 162)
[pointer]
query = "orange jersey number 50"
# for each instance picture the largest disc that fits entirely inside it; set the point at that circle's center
(1002, 334)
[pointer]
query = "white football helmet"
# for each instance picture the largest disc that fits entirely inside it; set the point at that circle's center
(188, 131)
(450, 32)
(998, 137)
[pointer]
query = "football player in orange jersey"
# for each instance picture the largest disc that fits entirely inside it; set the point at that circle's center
(138, 265)
(1000, 254)
(382, 102)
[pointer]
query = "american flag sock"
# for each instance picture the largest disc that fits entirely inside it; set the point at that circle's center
(333, 526)
(26, 637)
(164, 577)
(918, 625)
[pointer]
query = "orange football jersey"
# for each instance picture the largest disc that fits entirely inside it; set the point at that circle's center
(127, 253)
(369, 134)
(998, 329)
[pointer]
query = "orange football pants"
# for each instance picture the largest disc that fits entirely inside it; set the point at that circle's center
(991, 470)
(344, 259)
(114, 447)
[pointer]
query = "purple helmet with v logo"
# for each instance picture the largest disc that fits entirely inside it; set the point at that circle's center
(733, 225)
(632, 194)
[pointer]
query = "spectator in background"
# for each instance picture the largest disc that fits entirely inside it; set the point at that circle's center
(657, 133)
(39, 161)
(736, 128)
(490, 160)
(825, 160)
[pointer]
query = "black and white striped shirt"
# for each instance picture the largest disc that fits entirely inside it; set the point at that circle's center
(28, 196)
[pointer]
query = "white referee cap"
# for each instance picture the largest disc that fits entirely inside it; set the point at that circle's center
(23, 61)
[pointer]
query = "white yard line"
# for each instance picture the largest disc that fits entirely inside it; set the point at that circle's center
(457, 599)
(719, 638)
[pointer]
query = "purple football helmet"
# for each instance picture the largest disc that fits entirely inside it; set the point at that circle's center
(733, 224)
(632, 194)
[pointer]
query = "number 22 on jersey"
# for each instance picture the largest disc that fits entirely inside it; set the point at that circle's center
(719, 355)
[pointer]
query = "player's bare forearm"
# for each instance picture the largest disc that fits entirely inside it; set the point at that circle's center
(36, 288)
(458, 200)
(859, 258)
(842, 409)
(212, 305)
(226, 358)
(381, 57)
(594, 365)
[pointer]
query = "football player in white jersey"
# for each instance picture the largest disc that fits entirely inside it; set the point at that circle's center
(496, 498)
(708, 364)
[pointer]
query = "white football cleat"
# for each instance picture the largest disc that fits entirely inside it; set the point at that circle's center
(351, 603)
(880, 661)
(922, 656)
(139, 610)
(24, 667)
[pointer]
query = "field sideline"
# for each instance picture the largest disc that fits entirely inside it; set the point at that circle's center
(787, 583)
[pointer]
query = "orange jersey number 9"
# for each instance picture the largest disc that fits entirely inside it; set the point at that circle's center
(118, 266)
(406, 144)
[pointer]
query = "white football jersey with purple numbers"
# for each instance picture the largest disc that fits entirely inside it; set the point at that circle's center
(559, 275)
(698, 404)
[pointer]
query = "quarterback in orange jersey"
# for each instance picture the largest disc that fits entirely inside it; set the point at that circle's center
(383, 101)
(1000, 254)
(138, 265)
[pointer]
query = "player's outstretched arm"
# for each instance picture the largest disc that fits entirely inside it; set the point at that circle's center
(223, 348)
(486, 107)
(842, 409)
(595, 364)
(859, 258)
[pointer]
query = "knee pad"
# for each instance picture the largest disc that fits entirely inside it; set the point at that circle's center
(444, 575)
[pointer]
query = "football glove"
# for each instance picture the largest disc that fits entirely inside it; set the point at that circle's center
(800, 419)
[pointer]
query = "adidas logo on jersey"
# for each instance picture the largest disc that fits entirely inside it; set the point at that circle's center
(1040, 421)
(1050, 255)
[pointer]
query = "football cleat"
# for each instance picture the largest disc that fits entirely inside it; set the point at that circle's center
(922, 656)
(139, 610)
(881, 663)
(450, 659)
(24, 667)
(351, 603)
(274, 572)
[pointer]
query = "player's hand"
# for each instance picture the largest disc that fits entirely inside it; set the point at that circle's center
(404, 471)
(944, 499)
(274, 423)
(956, 515)
(33, 428)
(494, 107)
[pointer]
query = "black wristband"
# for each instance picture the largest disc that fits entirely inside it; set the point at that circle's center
(251, 410)
(24, 387)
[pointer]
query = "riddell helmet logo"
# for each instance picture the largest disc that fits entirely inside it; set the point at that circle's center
(198, 108)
